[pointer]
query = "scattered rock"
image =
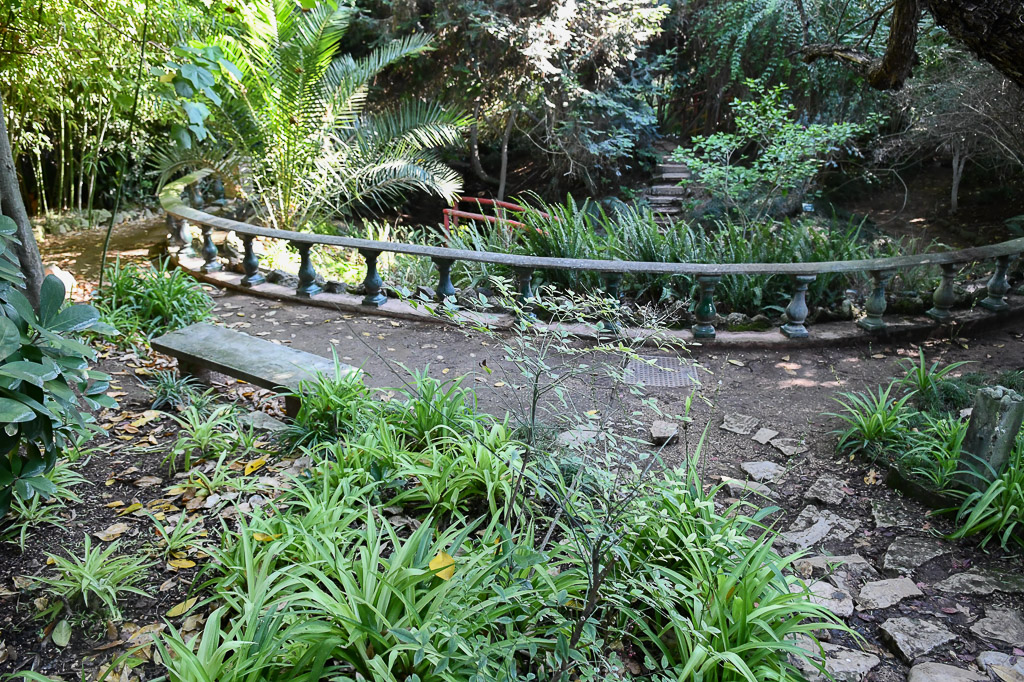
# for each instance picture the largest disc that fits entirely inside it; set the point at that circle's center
(824, 563)
(1001, 663)
(764, 435)
(907, 552)
(982, 582)
(843, 664)
(261, 421)
(429, 293)
(790, 447)
(911, 637)
(826, 490)
(891, 515)
(762, 471)
(882, 594)
(828, 595)
(812, 526)
(577, 437)
(738, 488)
(1002, 626)
(335, 287)
(737, 320)
(664, 433)
(739, 423)
(939, 672)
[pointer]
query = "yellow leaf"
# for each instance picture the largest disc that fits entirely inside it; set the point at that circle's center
(736, 362)
(254, 465)
(872, 478)
(182, 608)
(265, 537)
(443, 565)
(109, 481)
(112, 533)
(147, 416)
(167, 77)
(499, 384)
(112, 505)
(181, 563)
(130, 508)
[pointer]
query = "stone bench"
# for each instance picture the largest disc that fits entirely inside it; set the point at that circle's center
(202, 348)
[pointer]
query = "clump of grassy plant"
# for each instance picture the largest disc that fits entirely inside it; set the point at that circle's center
(145, 301)
(875, 421)
(201, 436)
(28, 515)
(96, 581)
(171, 390)
(997, 512)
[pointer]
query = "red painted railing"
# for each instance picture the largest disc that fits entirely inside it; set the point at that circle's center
(452, 215)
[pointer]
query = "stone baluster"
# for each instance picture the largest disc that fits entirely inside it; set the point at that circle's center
(251, 263)
(705, 311)
(875, 305)
(944, 296)
(998, 287)
(445, 289)
(211, 264)
(373, 284)
(612, 287)
(796, 311)
(307, 275)
(524, 277)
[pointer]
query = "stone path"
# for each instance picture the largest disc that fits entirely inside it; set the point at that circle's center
(923, 617)
(665, 195)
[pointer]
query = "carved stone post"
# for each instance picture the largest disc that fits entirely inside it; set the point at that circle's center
(705, 312)
(875, 305)
(997, 287)
(995, 421)
(251, 264)
(944, 297)
(445, 289)
(524, 277)
(372, 283)
(307, 275)
(796, 311)
(212, 264)
(612, 286)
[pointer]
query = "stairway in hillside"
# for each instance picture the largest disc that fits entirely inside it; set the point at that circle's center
(665, 195)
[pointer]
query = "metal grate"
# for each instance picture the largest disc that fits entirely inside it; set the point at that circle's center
(666, 372)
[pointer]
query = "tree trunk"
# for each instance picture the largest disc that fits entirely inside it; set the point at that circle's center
(504, 152)
(992, 29)
(14, 208)
(474, 149)
(959, 161)
(894, 68)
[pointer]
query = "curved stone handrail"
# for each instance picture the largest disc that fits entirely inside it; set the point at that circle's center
(708, 274)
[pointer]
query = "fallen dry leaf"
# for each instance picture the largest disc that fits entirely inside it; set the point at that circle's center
(443, 565)
(182, 608)
(113, 532)
(254, 465)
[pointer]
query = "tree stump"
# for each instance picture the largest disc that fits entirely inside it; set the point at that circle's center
(995, 420)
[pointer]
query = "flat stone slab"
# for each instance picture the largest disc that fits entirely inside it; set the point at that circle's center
(252, 359)
(843, 664)
(881, 594)
(1002, 626)
(939, 672)
(824, 593)
(261, 421)
(738, 488)
(743, 424)
(982, 582)
(855, 563)
(812, 526)
(764, 435)
(827, 490)
(1001, 663)
(889, 514)
(763, 471)
(912, 638)
(908, 552)
(664, 433)
(790, 447)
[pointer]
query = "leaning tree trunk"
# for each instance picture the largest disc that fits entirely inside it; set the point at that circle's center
(993, 29)
(14, 208)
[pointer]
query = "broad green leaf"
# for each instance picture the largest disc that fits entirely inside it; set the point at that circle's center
(25, 370)
(75, 318)
(51, 298)
(13, 412)
(21, 306)
(10, 338)
(7, 225)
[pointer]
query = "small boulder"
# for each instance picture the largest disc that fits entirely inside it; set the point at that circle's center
(827, 490)
(664, 433)
(577, 437)
(261, 421)
(939, 672)
(1001, 626)
(997, 662)
(790, 447)
(881, 594)
(764, 435)
(743, 424)
(907, 552)
(762, 471)
(912, 638)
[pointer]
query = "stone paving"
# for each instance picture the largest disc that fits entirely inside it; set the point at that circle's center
(952, 629)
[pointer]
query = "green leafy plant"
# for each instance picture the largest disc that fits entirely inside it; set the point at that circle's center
(171, 390)
(293, 113)
(97, 580)
(932, 386)
(146, 301)
(935, 450)
(177, 535)
(45, 381)
(876, 421)
(201, 436)
(997, 512)
(333, 405)
(27, 515)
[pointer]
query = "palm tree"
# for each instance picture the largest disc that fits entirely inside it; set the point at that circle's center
(295, 122)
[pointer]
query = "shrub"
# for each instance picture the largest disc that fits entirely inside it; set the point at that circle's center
(146, 301)
(876, 422)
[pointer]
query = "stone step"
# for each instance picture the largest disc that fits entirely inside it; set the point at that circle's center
(661, 199)
(671, 190)
(670, 167)
(675, 177)
(666, 210)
